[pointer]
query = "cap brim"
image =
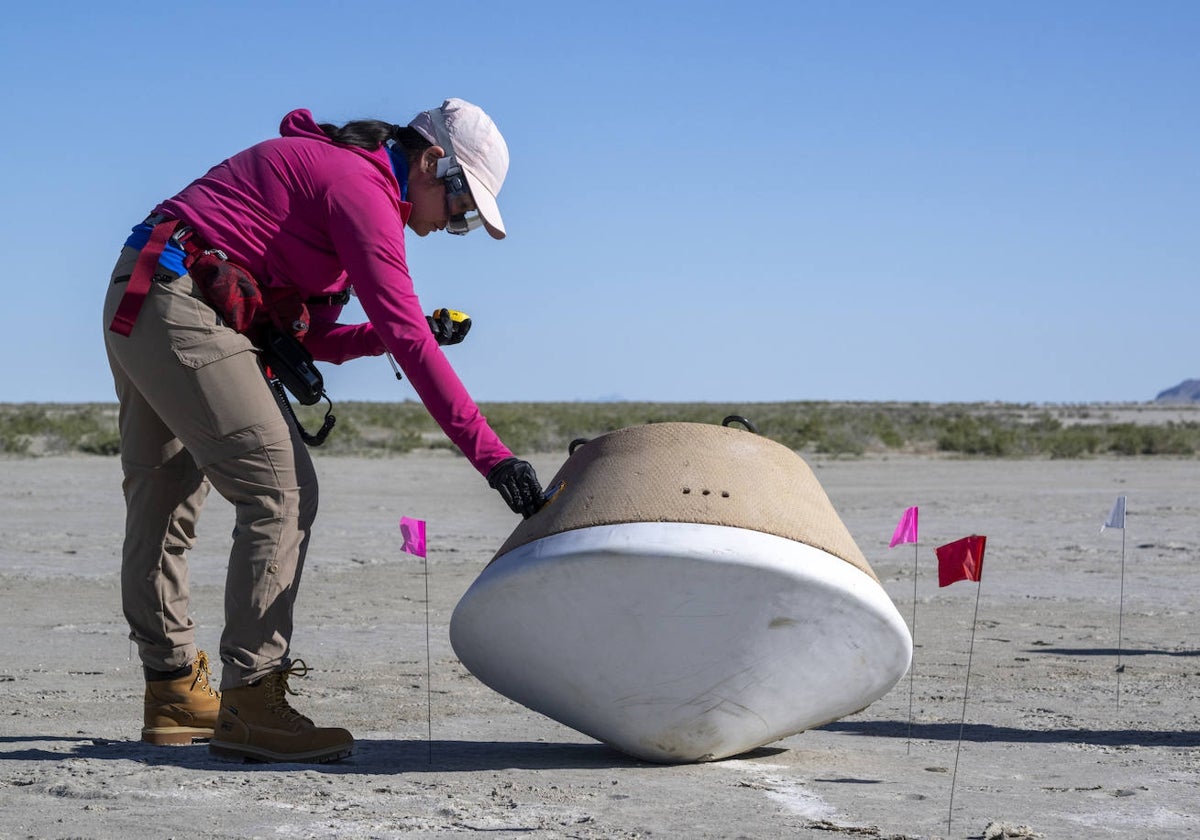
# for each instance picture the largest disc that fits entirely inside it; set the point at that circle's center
(489, 211)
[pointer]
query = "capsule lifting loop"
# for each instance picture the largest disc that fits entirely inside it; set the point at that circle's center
(737, 418)
(575, 444)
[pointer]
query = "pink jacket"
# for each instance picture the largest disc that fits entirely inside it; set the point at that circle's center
(304, 212)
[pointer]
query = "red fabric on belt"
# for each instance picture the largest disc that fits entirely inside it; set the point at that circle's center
(140, 280)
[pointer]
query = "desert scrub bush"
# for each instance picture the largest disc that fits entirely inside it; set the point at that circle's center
(1073, 442)
(382, 429)
(882, 427)
(840, 441)
(14, 444)
(804, 429)
(25, 420)
(103, 442)
(1044, 424)
(56, 428)
(969, 435)
(1171, 439)
(21, 424)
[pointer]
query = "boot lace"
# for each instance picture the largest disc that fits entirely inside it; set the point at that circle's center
(278, 689)
(203, 677)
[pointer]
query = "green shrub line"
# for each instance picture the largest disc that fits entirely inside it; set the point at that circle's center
(985, 430)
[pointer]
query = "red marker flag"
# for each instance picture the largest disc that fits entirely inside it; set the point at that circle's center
(413, 531)
(906, 529)
(961, 560)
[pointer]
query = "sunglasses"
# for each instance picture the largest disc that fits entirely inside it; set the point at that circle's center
(460, 204)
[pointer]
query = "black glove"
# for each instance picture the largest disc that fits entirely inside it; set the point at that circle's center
(518, 485)
(447, 329)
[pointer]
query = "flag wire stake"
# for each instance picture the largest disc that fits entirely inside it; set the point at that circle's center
(912, 664)
(428, 669)
(1120, 619)
(966, 684)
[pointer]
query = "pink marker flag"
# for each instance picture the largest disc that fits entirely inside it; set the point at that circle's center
(413, 531)
(906, 529)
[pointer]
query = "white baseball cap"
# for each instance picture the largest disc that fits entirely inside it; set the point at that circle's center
(480, 150)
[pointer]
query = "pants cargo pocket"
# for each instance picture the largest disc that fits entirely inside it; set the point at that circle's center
(229, 388)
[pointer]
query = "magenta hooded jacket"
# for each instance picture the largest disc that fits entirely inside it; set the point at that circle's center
(301, 211)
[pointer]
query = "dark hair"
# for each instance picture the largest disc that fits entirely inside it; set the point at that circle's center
(371, 134)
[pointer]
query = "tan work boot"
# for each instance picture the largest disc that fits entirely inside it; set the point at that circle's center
(182, 710)
(256, 722)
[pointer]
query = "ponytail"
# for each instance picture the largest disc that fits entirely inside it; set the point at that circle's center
(371, 134)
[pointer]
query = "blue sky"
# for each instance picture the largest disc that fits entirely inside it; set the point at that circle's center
(707, 201)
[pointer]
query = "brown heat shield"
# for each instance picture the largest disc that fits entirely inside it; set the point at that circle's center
(691, 472)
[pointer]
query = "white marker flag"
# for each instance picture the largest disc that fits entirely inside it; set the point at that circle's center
(1116, 517)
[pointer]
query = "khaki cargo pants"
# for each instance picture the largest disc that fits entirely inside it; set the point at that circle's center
(195, 412)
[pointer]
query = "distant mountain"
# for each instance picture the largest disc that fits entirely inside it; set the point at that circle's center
(1187, 391)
